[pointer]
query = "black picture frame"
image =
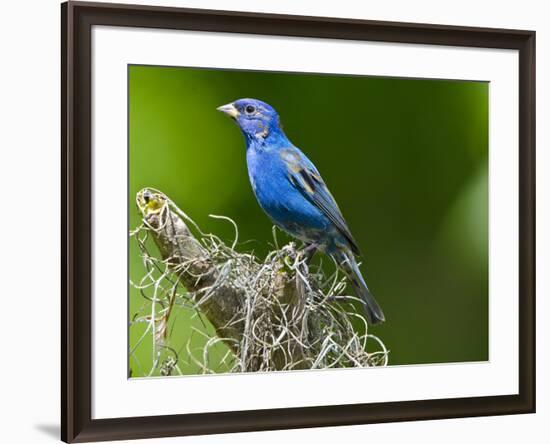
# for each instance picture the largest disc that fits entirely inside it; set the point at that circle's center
(77, 19)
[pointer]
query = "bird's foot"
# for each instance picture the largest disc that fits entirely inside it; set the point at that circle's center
(309, 251)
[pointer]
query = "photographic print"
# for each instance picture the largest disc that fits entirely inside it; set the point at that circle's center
(295, 221)
(263, 206)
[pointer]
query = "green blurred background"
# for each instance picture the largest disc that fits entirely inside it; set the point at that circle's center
(406, 160)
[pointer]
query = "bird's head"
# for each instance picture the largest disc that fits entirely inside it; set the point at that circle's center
(257, 119)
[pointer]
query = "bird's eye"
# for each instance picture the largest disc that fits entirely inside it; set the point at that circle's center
(250, 109)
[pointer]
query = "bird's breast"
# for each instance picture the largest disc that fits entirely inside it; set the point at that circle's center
(279, 198)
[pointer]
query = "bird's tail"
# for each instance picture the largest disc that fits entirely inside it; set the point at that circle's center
(347, 263)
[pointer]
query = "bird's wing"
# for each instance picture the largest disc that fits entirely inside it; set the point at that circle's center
(305, 177)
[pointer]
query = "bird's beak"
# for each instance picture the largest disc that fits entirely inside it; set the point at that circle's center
(230, 110)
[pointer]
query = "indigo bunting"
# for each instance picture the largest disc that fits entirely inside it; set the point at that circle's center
(291, 191)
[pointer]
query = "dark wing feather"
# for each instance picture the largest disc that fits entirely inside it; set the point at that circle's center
(304, 175)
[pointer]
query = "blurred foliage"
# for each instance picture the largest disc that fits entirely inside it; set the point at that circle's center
(406, 159)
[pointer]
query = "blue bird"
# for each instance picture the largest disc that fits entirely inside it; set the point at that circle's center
(291, 191)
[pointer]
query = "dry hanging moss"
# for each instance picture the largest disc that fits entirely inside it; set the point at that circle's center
(275, 314)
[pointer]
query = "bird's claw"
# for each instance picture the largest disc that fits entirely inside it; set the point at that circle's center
(309, 251)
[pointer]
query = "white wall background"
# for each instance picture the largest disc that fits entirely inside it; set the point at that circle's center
(29, 218)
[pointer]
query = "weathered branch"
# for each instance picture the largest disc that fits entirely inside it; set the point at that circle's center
(274, 315)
